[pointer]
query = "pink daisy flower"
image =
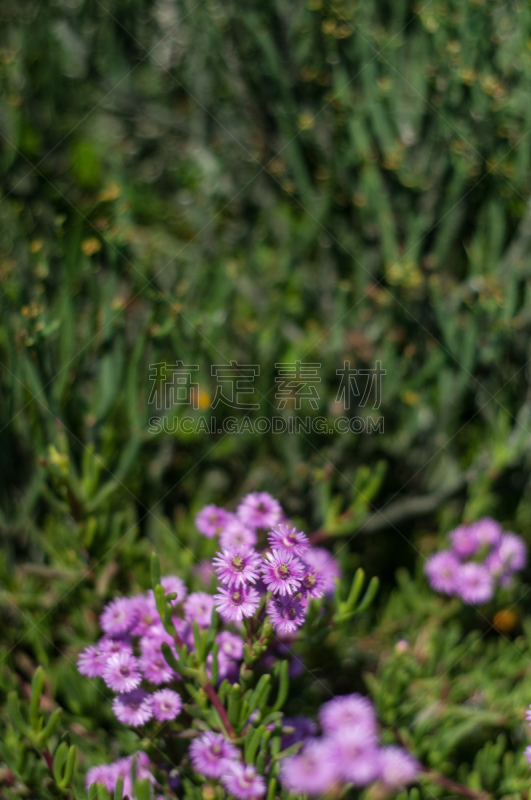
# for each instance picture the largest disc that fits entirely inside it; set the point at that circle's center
(241, 781)
(235, 604)
(348, 711)
(102, 773)
(397, 767)
(511, 553)
(286, 613)
(91, 661)
(166, 704)
(487, 531)
(198, 606)
(259, 510)
(442, 571)
(325, 565)
(313, 771)
(236, 534)
(357, 755)
(288, 538)
(133, 708)
(173, 584)
(147, 617)
(110, 647)
(464, 541)
(118, 617)
(205, 571)
(235, 567)
(211, 520)
(210, 752)
(312, 583)
(282, 572)
(121, 673)
(156, 670)
(230, 644)
(475, 584)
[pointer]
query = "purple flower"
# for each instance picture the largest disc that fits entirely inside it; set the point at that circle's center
(289, 538)
(348, 711)
(227, 668)
(397, 767)
(124, 768)
(198, 606)
(313, 771)
(204, 571)
(185, 631)
(151, 644)
(357, 755)
(102, 773)
(511, 553)
(487, 531)
(442, 571)
(147, 617)
(234, 604)
(236, 534)
(325, 565)
(156, 669)
(91, 661)
(474, 583)
(108, 774)
(209, 753)
(286, 613)
(241, 780)
(312, 583)
(464, 541)
(166, 704)
(111, 647)
(211, 520)
(121, 673)
(174, 584)
(297, 729)
(282, 572)
(230, 644)
(259, 510)
(527, 754)
(236, 566)
(133, 708)
(118, 617)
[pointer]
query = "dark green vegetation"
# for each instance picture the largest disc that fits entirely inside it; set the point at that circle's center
(266, 182)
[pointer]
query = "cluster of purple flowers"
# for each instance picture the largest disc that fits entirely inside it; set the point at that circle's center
(216, 758)
(108, 774)
(290, 569)
(267, 569)
(129, 658)
(348, 752)
(481, 557)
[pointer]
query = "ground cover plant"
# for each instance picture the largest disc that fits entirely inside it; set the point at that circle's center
(339, 185)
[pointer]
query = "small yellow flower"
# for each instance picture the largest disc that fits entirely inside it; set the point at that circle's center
(111, 192)
(410, 398)
(91, 246)
(306, 121)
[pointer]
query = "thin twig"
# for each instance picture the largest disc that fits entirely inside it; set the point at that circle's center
(454, 786)
(220, 708)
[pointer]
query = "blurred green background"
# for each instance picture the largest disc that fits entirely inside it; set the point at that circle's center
(262, 182)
